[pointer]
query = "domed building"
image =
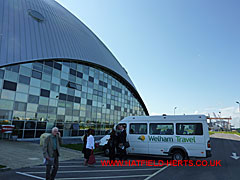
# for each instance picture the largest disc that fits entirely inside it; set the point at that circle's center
(55, 72)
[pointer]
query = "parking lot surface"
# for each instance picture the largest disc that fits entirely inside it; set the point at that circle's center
(75, 169)
(224, 150)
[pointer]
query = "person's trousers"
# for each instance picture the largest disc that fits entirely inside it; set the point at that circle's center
(112, 154)
(122, 154)
(51, 172)
(88, 153)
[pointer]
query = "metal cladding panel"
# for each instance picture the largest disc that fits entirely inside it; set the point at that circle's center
(59, 36)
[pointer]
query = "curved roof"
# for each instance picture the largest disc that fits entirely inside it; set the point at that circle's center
(42, 29)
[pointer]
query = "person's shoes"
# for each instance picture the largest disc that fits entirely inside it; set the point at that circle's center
(90, 165)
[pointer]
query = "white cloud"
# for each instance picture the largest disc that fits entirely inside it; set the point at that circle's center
(196, 112)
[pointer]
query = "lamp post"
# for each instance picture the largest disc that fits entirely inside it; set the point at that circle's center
(239, 111)
(220, 114)
(174, 110)
(238, 104)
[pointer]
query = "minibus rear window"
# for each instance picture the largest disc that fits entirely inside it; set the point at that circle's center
(189, 129)
(138, 128)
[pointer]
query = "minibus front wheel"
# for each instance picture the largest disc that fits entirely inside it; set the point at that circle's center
(178, 155)
(106, 152)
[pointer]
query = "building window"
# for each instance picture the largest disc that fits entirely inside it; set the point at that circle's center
(6, 104)
(33, 99)
(30, 125)
(71, 85)
(47, 70)
(9, 85)
(57, 66)
(14, 68)
(36, 74)
(70, 98)
(41, 125)
(62, 96)
(77, 100)
(45, 93)
(42, 109)
(89, 102)
(25, 71)
(19, 106)
(114, 88)
(91, 79)
(101, 83)
(49, 63)
(1, 74)
(38, 66)
(32, 107)
(117, 108)
(54, 87)
(64, 83)
(52, 110)
(6, 94)
(73, 72)
(24, 79)
(21, 97)
(79, 87)
(5, 114)
(79, 74)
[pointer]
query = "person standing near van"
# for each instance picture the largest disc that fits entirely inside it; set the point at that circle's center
(84, 146)
(90, 144)
(112, 143)
(121, 141)
(51, 149)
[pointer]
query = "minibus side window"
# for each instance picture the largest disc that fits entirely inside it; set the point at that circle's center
(189, 129)
(138, 128)
(161, 129)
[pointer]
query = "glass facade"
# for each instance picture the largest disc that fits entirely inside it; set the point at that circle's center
(72, 96)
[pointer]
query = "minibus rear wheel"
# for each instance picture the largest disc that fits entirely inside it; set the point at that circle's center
(178, 155)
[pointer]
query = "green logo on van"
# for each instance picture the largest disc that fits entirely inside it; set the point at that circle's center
(183, 139)
(160, 139)
(142, 138)
(170, 139)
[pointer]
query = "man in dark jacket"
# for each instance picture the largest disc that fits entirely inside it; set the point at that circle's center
(112, 143)
(51, 149)
(121, 141)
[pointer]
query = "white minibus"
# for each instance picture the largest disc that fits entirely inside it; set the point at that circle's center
(180, 136)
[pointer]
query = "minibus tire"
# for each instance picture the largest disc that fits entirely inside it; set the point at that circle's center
(178, 155)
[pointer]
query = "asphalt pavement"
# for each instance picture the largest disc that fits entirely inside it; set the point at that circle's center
(225, 150)
(15, 155)
(74, 170)
(223, 147)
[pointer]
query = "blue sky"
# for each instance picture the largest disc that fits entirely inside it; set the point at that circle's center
(183, 54)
